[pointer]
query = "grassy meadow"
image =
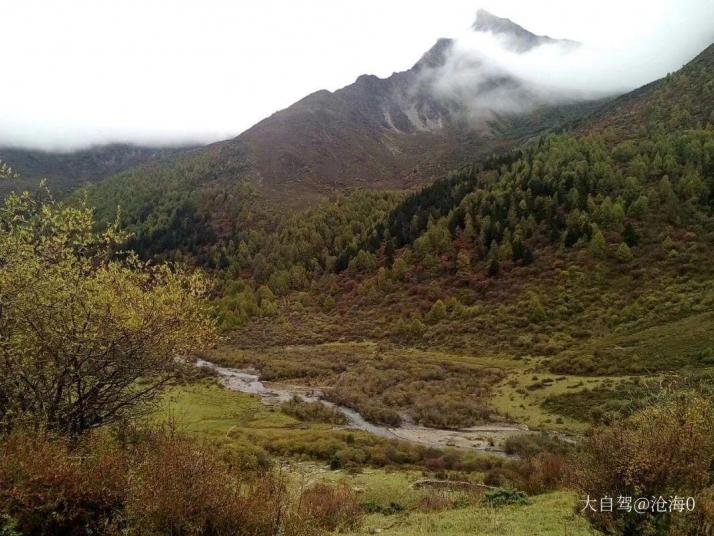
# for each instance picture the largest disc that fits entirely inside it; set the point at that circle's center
(242, 424)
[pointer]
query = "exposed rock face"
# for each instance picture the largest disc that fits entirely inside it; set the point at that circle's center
(517, 39)
(396, 131)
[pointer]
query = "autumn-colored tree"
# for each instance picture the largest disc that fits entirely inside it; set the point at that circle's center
(598, 246)
(463, 263)
(87, 335)
(623, 253)
(665, 450)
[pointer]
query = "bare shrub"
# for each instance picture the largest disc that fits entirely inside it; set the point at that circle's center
(666, 449)
(154, 483)
(46, 487)
(330, 508)
(180, 487)
(541, 467)
(543, 472)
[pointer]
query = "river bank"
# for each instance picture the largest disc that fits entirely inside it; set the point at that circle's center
(487, 438)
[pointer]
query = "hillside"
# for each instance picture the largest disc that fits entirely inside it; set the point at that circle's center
(389, 134)
(681, 100)
(66, 171)
(586, 254)
(398, 131)
(583, 253)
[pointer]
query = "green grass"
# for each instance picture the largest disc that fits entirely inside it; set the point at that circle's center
(523, 394)
(231, 418)
(684, 342)
(221, 416)
(378, 488)
(241, 423)
(216, 412)
(546, 515)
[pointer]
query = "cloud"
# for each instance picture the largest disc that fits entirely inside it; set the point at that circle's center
(485, 74)
(82, 72)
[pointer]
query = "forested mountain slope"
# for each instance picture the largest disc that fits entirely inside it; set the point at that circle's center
(391, 133)
(681, 100)
(66, 171)
(575, 247)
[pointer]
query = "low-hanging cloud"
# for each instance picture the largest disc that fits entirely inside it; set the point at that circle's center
(86, 72)
(484, 75)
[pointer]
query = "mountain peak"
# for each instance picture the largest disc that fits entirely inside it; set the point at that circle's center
(436, 55)
(516, 38)
(488, 22)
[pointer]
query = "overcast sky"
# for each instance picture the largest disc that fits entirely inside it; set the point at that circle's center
(78, 72)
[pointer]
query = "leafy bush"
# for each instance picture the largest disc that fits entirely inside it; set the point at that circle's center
(666, 449)
(153, 483)
(312, 411)
(80, 324)
(374, 507)
(505, 497)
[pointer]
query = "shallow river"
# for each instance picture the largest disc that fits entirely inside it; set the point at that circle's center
(488, 438)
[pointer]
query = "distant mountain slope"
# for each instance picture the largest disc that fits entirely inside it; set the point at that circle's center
(681, 99)
(396, 131)
(378, 133)
(588, 250)
(68, 170)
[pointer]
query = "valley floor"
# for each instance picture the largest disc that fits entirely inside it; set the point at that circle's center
(548, 514)
(383, 480)
(239, 421)
(446, 413)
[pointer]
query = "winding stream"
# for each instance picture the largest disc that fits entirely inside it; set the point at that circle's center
(488, 438)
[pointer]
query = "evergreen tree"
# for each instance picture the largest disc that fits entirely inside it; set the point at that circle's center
(623, 253)
(598, 245)
(463, 263)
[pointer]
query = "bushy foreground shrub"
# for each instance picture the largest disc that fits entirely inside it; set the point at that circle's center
(540, 464)
(48, 488)
(152, 484)
(665, 450)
